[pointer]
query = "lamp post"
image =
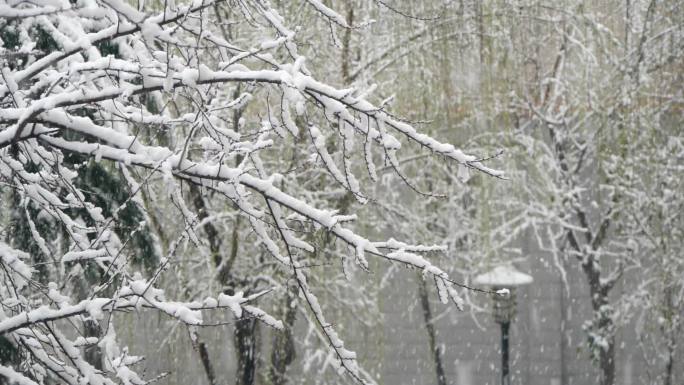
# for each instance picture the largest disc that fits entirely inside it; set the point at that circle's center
(504, 279)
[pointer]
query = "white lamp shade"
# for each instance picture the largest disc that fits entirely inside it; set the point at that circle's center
(503, 276)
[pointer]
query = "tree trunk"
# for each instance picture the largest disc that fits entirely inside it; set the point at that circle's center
(346, 44)
(245, 338)
(284, 353)
(206, 362)
(564, 333)
(605, 325)
(430, 327)
(92, 353)
(608, 364)
(669, 366)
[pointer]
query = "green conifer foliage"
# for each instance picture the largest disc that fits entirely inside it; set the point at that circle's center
(102, 184)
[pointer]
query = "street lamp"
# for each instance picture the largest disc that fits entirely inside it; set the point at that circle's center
(504, 279)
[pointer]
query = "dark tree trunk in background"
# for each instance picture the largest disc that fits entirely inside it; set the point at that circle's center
(246, 333)
(669, 365)
(670, 332)
(216, 256)
(605, 325)
(92, 353)
(346, 44)
(284, 353)
(245, 338)
(608, 364)
(563, 328)
(430, 327)
(206, 363)
(505, 368)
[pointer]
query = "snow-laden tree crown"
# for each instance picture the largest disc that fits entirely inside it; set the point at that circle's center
(123, 125)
